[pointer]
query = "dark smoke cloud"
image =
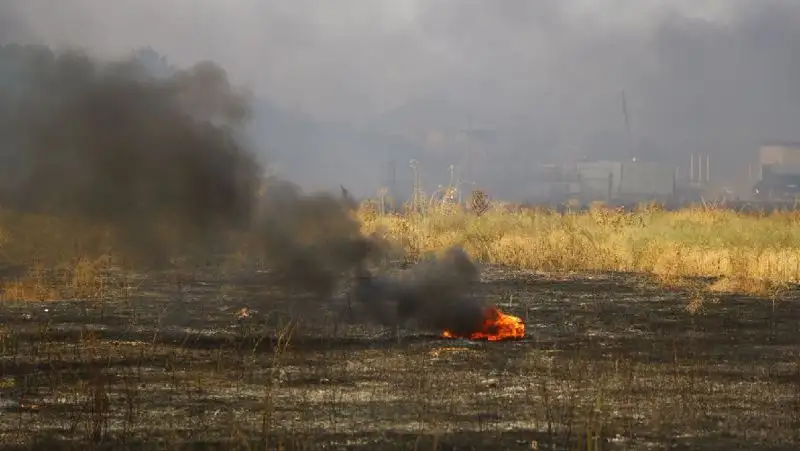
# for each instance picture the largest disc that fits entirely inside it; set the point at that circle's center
(435, 294)
(312, 240)
(314, 244)
(109, 142)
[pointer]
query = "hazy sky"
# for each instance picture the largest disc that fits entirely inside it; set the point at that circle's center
(714, 75)
(348, 58)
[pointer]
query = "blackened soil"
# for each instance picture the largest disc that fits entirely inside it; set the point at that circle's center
(609, 363)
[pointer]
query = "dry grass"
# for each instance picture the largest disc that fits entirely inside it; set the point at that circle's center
(54, 258)
(746, 252)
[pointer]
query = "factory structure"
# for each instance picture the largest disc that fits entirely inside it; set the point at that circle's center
(613, 182)
(774, 177)
(493, 157)
(778, 175)
(490, 157)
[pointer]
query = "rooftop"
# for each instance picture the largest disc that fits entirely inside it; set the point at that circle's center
(780, 143)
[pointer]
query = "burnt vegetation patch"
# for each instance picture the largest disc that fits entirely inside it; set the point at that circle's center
(592, 373)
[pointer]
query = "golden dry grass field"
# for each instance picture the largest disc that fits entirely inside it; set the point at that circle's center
(737, 251)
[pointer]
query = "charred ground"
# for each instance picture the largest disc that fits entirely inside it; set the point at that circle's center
(610, 362)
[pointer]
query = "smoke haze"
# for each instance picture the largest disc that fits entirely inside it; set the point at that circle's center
(700, 76)
(712, 76)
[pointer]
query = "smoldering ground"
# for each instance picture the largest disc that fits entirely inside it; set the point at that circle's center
(111, 143)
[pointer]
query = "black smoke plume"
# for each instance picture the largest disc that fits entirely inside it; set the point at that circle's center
(434, 294)
(110, 142)
(312, 241)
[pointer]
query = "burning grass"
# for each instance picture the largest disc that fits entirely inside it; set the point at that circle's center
(496, 326)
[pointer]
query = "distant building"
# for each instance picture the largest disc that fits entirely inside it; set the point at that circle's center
(784, 153)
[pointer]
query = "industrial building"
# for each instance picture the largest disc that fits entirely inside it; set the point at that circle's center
(618, 182)
(779, 171)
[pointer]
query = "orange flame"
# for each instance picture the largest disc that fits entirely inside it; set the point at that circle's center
(496, 326)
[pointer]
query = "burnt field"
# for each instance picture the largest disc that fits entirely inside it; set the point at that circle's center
(608, 362)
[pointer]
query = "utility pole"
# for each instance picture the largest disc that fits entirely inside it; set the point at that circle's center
(392, 177)
(458, 185)
(414, 164)
(627, 124)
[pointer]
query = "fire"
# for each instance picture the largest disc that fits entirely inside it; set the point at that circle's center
(496, 326)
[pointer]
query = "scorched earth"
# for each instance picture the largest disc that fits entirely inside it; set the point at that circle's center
(602, 362)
